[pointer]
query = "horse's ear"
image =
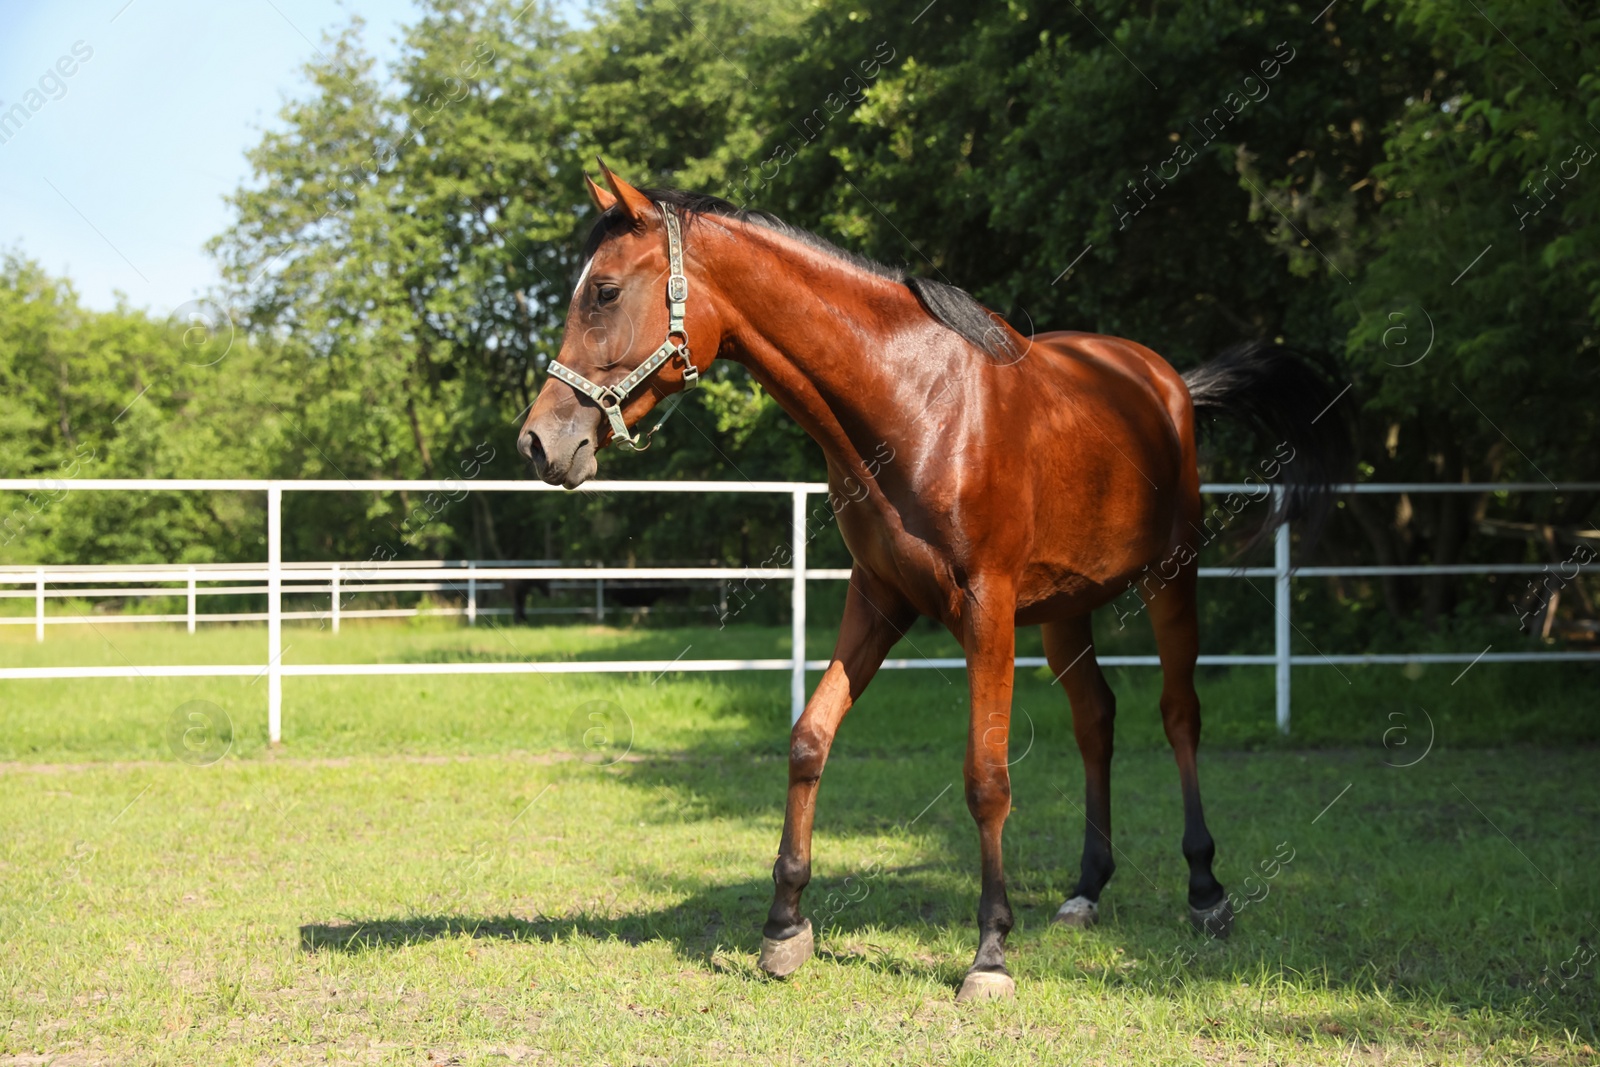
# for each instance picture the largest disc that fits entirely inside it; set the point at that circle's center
(634, 204)
(603, 201)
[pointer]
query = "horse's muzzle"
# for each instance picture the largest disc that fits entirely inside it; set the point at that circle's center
(556, 464)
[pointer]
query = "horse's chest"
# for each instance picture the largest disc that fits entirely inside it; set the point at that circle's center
(910, 556)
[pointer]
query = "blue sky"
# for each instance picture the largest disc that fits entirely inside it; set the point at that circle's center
(117, 179)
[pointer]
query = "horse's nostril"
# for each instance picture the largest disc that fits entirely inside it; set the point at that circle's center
(532, 450)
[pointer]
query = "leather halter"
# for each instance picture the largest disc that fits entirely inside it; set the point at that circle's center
(611, 397)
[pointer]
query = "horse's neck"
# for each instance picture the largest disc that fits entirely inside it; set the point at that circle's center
(834, 345)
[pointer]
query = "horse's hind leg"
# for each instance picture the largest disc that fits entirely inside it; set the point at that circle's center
(1174, 617)
(874, 619)
(1069, 646)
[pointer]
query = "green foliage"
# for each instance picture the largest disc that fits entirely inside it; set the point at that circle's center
(114, 394)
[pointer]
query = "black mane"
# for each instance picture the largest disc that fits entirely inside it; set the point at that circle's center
(952, 307)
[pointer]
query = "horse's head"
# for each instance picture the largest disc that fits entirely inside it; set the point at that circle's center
(626, 345)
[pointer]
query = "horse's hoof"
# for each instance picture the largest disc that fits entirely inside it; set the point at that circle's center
(780, 959)
(1080, 912)
(1215, 921)
(986, 985)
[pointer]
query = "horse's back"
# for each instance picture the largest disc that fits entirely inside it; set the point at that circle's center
(1130, 359)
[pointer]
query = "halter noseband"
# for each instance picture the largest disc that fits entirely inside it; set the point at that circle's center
(610, 397)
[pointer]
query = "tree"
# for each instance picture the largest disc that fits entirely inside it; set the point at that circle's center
(87, 394)
(1215, 172)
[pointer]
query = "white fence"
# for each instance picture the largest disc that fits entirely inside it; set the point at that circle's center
(276, 573)
(347, 579)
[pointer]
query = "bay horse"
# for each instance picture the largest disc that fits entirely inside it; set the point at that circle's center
(999, 481)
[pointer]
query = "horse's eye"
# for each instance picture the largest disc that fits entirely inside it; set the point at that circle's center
(608, 293)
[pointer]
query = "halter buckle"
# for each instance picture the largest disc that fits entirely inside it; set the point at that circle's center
(611, 406)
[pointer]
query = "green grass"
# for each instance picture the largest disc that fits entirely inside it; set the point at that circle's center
(431, 870)
(904, 711)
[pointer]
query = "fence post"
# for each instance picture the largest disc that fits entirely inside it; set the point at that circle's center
(333, 586)
(600, 599)
(191, 599)
(275, 615)
(38, 606)
(472, 593)
(1281, 601)
(797, 679)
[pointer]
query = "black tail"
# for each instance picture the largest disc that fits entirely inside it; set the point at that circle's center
(1286, 397)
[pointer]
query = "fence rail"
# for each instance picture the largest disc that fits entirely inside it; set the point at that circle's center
(335, 580)
(280, 577)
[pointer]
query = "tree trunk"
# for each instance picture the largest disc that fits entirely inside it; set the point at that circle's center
(416, 432)
(61, 402)
(483, 520)
(1454, 518)
(1377, 532)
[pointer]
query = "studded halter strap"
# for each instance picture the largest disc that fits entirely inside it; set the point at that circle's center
(611, 397)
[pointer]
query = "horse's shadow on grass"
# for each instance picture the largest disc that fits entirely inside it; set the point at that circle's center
(675, 923)
(717, 927)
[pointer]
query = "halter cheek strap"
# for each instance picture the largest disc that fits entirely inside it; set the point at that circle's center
(611, 397)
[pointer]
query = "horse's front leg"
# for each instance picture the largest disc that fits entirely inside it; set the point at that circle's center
(874, 619)
(990, 637)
